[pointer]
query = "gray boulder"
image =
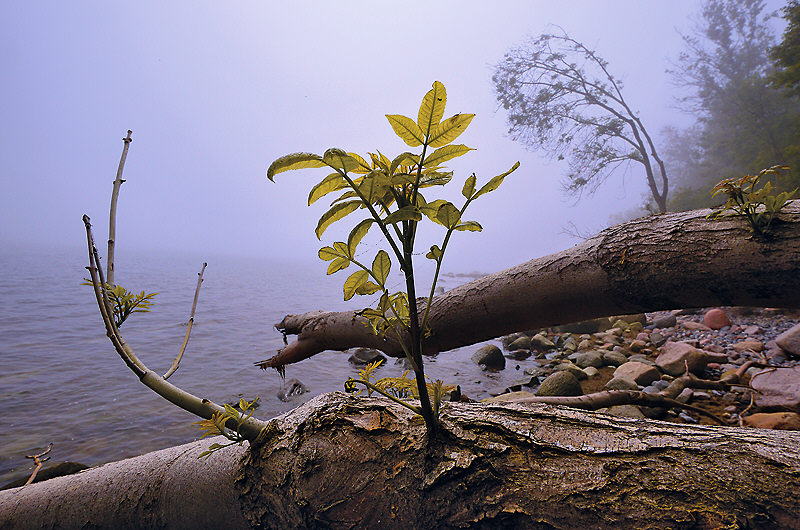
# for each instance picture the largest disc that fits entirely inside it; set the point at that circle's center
(560, 384)
(520, 343)
(621, 382)
(614, 358)
(589, 358)
(490, 357)
(362, 356)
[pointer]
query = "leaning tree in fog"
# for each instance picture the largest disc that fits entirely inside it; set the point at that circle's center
(562, 98)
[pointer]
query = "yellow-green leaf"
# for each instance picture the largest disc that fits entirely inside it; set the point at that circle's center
(344, 196)
(443, 154)
(434, 178)
(469, 187)
(353, 282)
(380, 266)
(332, 182)
(435, 253)
(449, 129)
(327, 254)
(408, 159)
(368, 288)
(402, 179)
(373, 185)
(472, 226)
(357, 234)
(495, 182)
(406, 213)
(338, 159)
(334, 214)
(432, 108)
(448, 215)
(431, 209)
(406, 129)
(363, 165)
(338, 264)
(294, 161)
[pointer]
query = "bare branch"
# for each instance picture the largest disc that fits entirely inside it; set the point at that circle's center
(112, 221)
(203, 408)
(177, 361)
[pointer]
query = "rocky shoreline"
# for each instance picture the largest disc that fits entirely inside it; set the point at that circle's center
(648, 352)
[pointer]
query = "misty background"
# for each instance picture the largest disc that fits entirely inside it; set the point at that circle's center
(214, 92)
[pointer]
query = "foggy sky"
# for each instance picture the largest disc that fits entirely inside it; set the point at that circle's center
(214, 91)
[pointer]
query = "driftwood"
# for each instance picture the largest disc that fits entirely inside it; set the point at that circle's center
(346, 462)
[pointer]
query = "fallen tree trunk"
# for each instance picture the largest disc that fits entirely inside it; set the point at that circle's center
(670, 261)
(344, 462)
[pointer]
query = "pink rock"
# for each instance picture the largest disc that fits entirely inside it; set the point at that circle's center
(749, 344)
(692, 325)
(778, 389)
(640, 373)
(786, 421)
(675, 356)
(716, 319)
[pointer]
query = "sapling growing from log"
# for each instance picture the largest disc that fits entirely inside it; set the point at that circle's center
(389, 191)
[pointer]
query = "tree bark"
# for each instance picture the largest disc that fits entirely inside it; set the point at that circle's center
(345, 462)
(670, 261)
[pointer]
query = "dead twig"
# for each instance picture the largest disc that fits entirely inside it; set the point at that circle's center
(37, 461)
(177, 361)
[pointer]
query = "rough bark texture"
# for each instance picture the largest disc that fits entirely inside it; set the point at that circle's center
(170, 488)
(670, 261)
(346, 462)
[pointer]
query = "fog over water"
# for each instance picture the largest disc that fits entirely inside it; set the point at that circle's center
(214, 92)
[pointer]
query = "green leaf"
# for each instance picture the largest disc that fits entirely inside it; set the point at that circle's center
(338, 159)
(432, 108)
(443, 154)
(408, 159)
(469, 187)
(406, 213)
(435, 253)
(294, 161)
(380, 266)
(495, 182)
(406, 129)
(448, 215)
(334, 214)
(449, 130)
(357, 234)
(353, 282)
(332, 182)
(471, 226)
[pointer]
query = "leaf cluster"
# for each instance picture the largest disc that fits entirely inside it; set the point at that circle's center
(218, 425)
(124, 302)
(398, 389)
(390, 193)
(759, 206)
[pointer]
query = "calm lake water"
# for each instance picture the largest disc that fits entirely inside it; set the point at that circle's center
(61, 380)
